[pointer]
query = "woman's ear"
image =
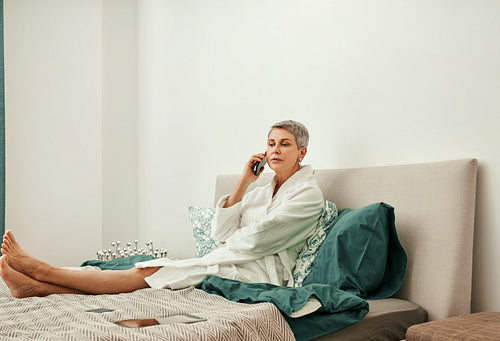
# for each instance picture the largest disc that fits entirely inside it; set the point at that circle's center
(303, 152)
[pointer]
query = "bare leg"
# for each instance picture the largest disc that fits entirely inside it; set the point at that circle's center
(100, 282)
(92, 282)
(22, 286)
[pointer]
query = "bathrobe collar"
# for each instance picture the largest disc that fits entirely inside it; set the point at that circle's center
(304, 173)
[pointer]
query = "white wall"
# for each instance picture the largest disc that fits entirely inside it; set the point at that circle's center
(53, 127)
(377, 83)
(71, 125)
(119, 121)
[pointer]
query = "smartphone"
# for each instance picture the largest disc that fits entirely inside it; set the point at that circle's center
(258, 166)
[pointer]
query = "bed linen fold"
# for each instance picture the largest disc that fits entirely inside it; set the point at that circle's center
(339, 308)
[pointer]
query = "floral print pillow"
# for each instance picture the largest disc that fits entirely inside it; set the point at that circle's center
(308, 253)
(201, 220)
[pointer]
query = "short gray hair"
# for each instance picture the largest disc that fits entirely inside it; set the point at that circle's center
(298, 130)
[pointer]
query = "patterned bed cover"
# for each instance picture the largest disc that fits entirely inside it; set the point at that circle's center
(65, 317)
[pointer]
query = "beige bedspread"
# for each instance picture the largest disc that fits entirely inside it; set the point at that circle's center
(64, 317)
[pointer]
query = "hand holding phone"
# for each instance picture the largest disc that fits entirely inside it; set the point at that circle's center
(259, 165)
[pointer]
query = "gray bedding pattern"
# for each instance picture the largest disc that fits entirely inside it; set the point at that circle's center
(65, 317)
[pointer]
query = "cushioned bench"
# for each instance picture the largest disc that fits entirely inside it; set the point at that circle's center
(480, 326)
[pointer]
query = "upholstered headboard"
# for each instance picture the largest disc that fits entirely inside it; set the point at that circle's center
(434, 206)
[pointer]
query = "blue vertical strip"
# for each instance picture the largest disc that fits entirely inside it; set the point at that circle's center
(2, 128)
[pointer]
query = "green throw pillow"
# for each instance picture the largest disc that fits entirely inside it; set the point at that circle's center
(361, 253)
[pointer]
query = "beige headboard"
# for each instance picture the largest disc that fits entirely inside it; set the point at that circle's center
(434, 206)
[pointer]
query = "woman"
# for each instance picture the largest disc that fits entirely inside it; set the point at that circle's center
(263, 232)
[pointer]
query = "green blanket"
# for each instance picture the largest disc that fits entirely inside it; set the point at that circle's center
(339, 308)
(118, 263)
(360, 258)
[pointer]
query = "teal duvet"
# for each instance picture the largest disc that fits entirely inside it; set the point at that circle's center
(361, 258)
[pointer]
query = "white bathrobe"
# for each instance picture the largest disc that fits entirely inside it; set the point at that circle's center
(263, 235)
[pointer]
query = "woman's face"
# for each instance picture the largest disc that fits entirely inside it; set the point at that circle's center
(283, 155)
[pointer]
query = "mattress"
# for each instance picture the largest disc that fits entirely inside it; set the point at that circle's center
(387, 319)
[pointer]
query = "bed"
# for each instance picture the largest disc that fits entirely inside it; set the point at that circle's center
(434, 205)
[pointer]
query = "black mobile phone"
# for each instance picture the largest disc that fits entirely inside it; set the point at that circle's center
(258, 166)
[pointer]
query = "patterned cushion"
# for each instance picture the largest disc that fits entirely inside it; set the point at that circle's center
(201, 219)
(309, 251)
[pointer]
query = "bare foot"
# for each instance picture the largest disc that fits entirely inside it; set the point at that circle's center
(20, 260)
(22, 286)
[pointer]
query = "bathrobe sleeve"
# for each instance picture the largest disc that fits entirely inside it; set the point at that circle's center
(284, 226)
(226, 220)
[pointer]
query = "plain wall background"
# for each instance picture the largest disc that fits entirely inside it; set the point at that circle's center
(119, 114)
(54, 148)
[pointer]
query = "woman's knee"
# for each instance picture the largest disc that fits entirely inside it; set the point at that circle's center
(144, 272)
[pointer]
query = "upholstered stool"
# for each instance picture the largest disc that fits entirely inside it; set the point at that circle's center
(478, 326)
